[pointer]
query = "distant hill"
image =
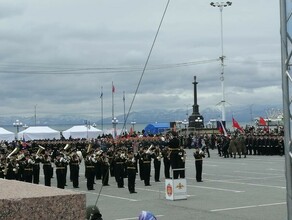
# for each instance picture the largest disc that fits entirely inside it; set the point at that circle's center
(241, 114)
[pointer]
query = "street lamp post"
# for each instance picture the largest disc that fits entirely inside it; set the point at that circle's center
(115, 121)
(133, 125)
(17, 124)
(198, 120)
(87, 124)
(185, 122)
(222, 5)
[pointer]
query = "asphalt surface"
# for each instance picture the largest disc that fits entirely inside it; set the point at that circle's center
(245, 189)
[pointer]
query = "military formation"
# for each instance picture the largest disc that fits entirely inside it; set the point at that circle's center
(103, 157)
(237, 146)
(125, 157)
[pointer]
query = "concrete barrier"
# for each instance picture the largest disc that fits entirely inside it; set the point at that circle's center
(20, 200)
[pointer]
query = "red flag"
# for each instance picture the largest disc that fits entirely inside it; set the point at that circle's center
(236, 125)
(113, 89)
(262, 121)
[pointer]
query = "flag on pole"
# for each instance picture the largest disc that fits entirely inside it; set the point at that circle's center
(101, 94)
(221, 128)
(262, 121)
(113, 89)
(236, 125)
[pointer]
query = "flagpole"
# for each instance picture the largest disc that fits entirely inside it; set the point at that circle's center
(114, 120)
(124, 101)
(113, 113)
(101, 106)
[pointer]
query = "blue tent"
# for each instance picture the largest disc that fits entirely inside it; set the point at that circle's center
(156, 128)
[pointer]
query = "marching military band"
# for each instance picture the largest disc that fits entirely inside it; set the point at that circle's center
(121, 158)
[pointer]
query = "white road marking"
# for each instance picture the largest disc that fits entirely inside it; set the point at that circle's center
(244, 178)
(249, 184)
(158, 191)
(110, 196)
(135, 217)
(213, 188)
(247, 207)
(266, 174)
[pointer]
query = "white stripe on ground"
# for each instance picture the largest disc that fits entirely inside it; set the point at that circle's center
(247, 178)
(247, 207)
(157, 191)
(257, 173)
(248, 184)
(213, 188)
(136, 217)
(110, 196)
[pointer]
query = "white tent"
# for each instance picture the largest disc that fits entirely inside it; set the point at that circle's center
(6, 135)
(39, 133)
(112, 131)
(82, 131)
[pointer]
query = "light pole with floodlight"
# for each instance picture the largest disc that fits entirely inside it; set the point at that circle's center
(17, 124)
(133, 125)
(185, 122)
(115, 121)
(222, 5)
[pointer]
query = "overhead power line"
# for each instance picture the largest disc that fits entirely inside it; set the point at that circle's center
(32, 69)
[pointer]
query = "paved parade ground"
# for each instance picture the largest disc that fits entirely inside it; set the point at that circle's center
(247, 189)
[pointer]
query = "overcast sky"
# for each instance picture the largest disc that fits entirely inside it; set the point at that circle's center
(57, 54)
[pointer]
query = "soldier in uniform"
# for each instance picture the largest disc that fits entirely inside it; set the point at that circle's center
(255, 145)
(166, 162)
(105, 167)
(131, 171)
(182, 160)
(174, 156)
(2, 167)
(47, 168)
(157, 163)
(199, 155)
(36, 169)
(61, 164)
(97, 165)
(28, 169)
(90, 170)
(10, 168)
(233, 146)
(119, 161)
(110, 154)
(225, 147)
(241, 145)
(139, 157)
(248, 143)
(74, 170)
(146, 158)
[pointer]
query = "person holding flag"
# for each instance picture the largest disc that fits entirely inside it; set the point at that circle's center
(236, 125)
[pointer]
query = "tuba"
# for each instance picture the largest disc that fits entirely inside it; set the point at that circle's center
(89, 148)
(16, 149)
(67, 147)
(149, 151)
(41, 148)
